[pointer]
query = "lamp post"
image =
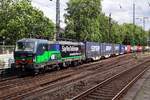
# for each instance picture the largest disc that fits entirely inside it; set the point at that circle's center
(133, 41)
(133, 25)
(56, 37)
(110, 25)
(144, 22)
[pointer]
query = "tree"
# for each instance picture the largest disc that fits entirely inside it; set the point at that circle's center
(82, 20)
(19, 19)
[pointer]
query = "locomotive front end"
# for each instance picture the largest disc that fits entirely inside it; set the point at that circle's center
(24, 54)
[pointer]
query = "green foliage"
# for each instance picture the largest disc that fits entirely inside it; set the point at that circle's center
(133, 37)
(19, 19)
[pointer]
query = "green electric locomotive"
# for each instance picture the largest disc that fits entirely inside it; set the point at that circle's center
(34, 55)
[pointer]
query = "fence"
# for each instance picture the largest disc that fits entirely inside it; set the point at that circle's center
(6, 49)
(6, 60)
(6, 56)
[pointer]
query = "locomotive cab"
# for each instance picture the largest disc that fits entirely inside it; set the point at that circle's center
(25, 53)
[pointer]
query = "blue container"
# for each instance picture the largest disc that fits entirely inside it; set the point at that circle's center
(116, 49)
(93, 50)
(122, 49)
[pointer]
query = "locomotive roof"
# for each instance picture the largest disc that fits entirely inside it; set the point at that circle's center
(66, 42)
(32, 40)
(50, 42)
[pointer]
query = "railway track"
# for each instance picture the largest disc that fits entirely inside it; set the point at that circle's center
(114, 87)
(32, 89)
(8, 78)
(48, 87)
(48, 83)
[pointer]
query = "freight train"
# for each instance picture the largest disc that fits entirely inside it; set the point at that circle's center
(35, 55)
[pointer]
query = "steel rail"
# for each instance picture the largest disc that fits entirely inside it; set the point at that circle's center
(125, 89)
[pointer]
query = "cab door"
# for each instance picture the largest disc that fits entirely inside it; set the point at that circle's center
(42, 54)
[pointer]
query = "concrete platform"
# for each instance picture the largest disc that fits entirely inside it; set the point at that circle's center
(140, 90)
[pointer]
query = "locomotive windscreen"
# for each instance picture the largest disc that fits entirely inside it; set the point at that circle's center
(25, 46)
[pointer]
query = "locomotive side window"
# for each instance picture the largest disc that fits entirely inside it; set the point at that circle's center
(54, 47)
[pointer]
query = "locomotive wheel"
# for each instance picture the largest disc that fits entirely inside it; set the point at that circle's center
(35, 72)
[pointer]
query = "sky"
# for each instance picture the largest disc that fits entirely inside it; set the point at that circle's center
(121, 10)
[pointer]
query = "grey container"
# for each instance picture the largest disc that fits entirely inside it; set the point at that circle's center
(116, 49)
(93, 50)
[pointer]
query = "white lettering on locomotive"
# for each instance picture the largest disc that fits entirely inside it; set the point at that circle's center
(69, 48)
(75, 54)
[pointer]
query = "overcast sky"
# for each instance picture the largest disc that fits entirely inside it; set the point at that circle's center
(121, 10)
